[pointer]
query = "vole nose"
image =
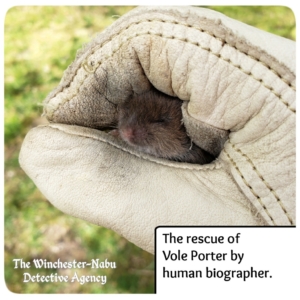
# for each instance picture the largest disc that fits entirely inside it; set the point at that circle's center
(133, 135)
(127, 134)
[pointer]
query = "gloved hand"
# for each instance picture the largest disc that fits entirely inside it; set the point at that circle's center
(238, 88)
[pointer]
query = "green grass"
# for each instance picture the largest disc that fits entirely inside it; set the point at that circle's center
(40, 42)
(279, 20)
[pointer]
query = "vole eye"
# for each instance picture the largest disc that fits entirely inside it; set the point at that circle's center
(162, 119)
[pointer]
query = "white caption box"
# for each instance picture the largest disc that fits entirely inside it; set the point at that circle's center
(240, 262)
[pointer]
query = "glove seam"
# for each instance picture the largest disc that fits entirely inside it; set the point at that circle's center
(86, 66)
(91, 67)
(267, 185)
(97, 47)
(170, 164)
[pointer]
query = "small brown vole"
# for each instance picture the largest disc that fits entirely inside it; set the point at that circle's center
(152, 123)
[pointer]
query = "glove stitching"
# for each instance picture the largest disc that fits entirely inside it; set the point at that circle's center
(249, 186)
(170, 164)
(194, 27)
(265, 183)
(91, 67)
(268, 186)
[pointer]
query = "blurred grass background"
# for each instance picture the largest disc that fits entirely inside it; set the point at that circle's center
(40, 42)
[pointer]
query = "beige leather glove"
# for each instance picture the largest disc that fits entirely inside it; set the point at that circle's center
(238, 87)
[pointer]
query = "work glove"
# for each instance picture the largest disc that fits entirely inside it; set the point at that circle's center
(237, 84)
